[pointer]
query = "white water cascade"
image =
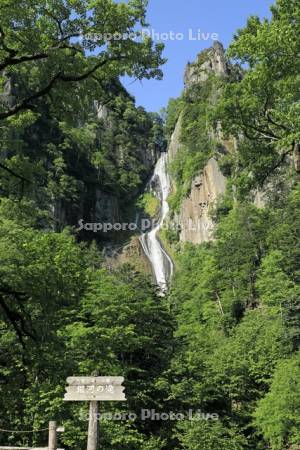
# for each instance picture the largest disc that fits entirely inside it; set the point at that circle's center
(161, 262)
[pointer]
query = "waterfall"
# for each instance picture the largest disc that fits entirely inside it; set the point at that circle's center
(161, 262)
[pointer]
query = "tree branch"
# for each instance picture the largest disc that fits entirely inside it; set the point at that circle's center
(277, 165)
(11, 172)
(267, 134)
(13, 61)
(15, 318)
(272, 121)
(25, 103)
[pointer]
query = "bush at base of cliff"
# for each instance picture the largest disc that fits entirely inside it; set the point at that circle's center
(149, 204)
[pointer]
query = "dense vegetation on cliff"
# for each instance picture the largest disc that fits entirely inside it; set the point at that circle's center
(225, 340)
(236, 299)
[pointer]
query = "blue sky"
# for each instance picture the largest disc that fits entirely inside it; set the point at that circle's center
(222, 17)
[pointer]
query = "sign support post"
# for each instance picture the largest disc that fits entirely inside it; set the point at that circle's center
(52, 443)
(92, 443)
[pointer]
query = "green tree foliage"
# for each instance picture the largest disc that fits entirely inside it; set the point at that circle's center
(123, 329)
(42, 281)
(45, 47)
(277, 414)
(201, 435)
(263, 106)
(172, 113)
(236, 301)
(60, 315)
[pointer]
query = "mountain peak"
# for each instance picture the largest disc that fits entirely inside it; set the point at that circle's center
(209, 61)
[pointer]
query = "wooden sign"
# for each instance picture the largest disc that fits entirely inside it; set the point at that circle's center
(95, 389)
(75, 381)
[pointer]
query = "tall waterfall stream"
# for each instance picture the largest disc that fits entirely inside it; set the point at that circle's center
(161, 262)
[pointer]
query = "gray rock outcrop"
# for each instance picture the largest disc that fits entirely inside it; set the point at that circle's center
(209, 61)
(195, 220)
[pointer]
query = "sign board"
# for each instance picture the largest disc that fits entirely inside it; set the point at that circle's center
(95, 389)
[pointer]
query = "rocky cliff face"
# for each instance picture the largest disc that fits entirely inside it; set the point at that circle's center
(131, 253)
(174, 144)
(194, 220)
(99, 199)
(209, 61)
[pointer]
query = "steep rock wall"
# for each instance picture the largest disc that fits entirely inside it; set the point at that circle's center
(174, 144)
(194, 220)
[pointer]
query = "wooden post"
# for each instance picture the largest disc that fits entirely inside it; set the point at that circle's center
(52, 444)
(92, 443)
